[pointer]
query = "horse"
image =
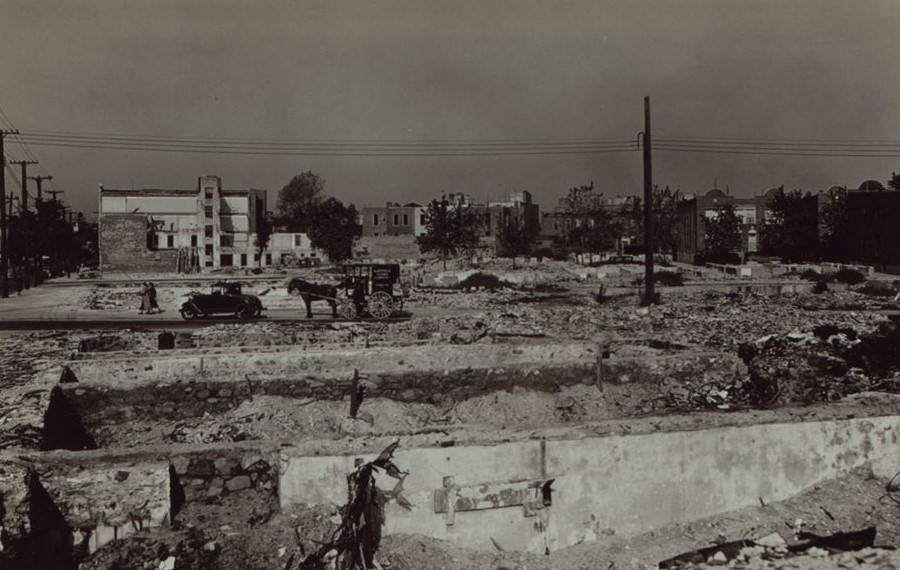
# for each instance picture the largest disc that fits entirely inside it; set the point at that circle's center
(314, 292)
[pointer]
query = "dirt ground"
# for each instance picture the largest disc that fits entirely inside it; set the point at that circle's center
(773, 339)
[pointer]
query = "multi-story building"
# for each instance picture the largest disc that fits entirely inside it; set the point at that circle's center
(693, 210)
(392, 219)
(556, 225)
(872, 226)
(206, 227)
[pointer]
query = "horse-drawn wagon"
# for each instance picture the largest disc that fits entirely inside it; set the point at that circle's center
(365, 290)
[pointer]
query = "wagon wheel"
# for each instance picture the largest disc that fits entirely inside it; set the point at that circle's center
(381, 305)
(346, 309)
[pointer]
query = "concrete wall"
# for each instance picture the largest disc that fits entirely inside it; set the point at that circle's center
(123, 241)
(110, 390)
(630, 484)
(380, 363)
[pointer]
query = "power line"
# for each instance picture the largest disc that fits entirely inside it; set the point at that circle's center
(361, 151)
(774, 151)
(243, 140)
(845, 142)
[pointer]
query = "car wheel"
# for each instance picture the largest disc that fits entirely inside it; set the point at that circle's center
(245, 312)
(188, 313)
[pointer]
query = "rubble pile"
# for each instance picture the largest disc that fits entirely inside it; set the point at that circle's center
(824, 364)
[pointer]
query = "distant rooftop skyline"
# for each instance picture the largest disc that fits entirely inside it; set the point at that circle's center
(471, 71)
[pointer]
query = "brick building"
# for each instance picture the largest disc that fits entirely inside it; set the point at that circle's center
(693, 210)
(408, 220)
(872, 234)
(206, 227)
(392, 219)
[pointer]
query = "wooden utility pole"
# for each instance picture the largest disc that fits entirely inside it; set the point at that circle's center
(649, 230)
(24, 164)
(53, 193)
(40, 180)
(4, 233)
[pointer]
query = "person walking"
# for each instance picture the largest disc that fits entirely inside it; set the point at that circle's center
(145, 298)
(151, 293)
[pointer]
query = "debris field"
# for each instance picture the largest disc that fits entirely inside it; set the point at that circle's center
(115, 453)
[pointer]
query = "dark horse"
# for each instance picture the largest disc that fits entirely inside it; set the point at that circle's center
(314, 292)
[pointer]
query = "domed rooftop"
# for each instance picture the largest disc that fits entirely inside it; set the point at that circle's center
(715, 193)
(871, 186)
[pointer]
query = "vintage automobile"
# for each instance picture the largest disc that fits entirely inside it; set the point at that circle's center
(225, 299)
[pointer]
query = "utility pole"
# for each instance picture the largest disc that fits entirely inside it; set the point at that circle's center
(53, 193)
(649, 230)
(24, 164)
(38, 202)
(24, 225)
(4, 234)
(40, 180)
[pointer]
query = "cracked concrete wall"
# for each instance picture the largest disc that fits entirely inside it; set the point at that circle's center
(630, 484)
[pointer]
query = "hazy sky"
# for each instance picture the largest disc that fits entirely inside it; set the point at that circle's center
(441, 69)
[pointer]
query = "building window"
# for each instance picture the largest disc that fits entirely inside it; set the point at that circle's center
(209, 249)
(298, 240)
(422, 219)
(226, 240)
(194, 241)
(170, 241)
(396, 219)
(208, 192)
(226, 260)
(208, 211)
(207, 231)
(375, 220)
(405, 219)
(243, 260)
(268, 259)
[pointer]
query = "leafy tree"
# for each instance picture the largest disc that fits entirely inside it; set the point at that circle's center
(836, 234)
(665, 218)
(263, 233)
(591, 227)
(723, 232)
(334, 228)
(451, 228)
(791, 229)
(894, 182)
(516, 237)
(298, 199)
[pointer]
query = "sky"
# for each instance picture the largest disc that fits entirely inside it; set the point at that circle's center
(473, 70)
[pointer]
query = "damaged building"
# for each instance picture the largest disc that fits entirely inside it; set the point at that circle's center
(186, 230)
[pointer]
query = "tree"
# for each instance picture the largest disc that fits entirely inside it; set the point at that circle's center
(298, 199)
(665, 218)
(836, 228)
(894, 182)
(723, 233)
(516, 237)
(791, 228)
(450, 229)
(263, 233)
(590, 227)
(334, 228)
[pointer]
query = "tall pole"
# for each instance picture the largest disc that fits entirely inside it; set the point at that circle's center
(649, 230)
(38, 206)
(24, 164)
(4, 234)
(40, 180)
